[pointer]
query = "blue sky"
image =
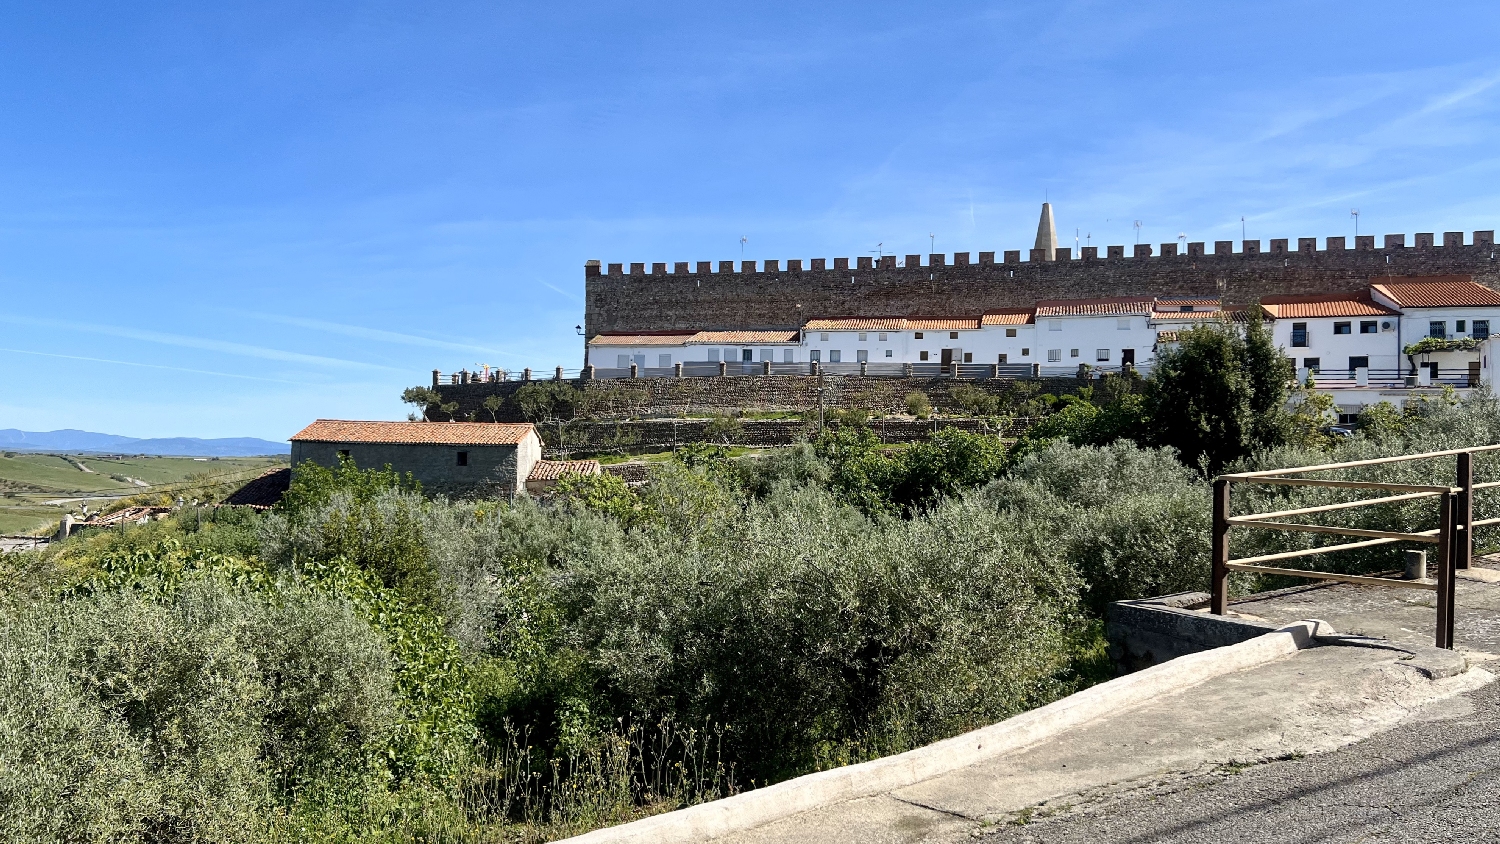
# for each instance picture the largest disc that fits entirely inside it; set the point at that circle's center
(228, 219)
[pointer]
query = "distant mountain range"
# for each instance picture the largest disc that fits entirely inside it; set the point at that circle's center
(71, 439)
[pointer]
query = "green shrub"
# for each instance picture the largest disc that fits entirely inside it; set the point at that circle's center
(918, 405)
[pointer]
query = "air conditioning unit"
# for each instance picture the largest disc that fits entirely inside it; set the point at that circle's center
(1387, 325)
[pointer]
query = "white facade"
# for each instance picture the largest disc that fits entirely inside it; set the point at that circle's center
(1339, 344)
(1098, 332)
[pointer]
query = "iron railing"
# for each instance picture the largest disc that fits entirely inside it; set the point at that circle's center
(1453, 536)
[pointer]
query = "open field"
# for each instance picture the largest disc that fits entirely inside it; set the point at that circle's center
(29, 481)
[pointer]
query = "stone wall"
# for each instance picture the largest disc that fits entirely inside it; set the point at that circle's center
(764, 295)
(625, 398)
(648, 435)
(491, 470)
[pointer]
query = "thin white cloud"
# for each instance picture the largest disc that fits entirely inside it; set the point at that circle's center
(563, 292)
(222, 346)
(376, 334)
(149, 366)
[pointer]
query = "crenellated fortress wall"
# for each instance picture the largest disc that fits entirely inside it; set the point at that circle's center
(764, 295)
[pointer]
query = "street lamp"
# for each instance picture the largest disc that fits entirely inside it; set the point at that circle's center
(578, 329)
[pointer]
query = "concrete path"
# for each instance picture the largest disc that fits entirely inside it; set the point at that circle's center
(1314, 701)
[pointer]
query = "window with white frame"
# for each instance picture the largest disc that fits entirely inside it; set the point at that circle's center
(921, 356)
(890, 353)
(1072, 353)
(835, 355)
(862, 356)
(814, 355)
(953, 335)
(863, 337)
(1025, 353)
(823, 335)
(1010, 332)
(1004, 358)
(880, 336)
(1054, 355)
(1101, 354)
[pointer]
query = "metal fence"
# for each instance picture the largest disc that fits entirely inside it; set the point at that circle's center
(1453, 536)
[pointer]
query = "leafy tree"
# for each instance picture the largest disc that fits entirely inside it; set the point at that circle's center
(918, 405)
(1270, 373)
(974, 401)
(724, 428)
(550, 404)
(424, 398)
(493, 405)
(1200, 398)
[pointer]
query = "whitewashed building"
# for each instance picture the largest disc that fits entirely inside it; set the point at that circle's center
(1336, 333)
(1099, 332)
(1443, 308)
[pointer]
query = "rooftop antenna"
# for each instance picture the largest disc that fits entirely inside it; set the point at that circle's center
(880, 249)
(1088, 239)
(1182, 239)
(743, 241)
(1354, 212)
(1243, 236)
(931, 243)
(1075, 240)
(1137, 232)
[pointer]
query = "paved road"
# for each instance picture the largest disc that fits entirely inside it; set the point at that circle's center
(1437, 779)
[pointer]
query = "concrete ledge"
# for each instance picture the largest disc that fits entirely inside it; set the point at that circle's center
(1154, 630)
(764, 805)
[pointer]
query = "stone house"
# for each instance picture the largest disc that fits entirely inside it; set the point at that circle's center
(458, 459)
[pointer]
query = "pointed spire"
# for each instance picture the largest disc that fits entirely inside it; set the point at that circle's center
(1046, 233)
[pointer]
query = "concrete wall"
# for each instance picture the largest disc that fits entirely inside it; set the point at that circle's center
(492, 470)
(764, 295)
(1153, 630)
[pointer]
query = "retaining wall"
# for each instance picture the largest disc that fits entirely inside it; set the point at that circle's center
(661, 434)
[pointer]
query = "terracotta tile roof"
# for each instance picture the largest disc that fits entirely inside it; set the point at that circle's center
(551, 470)
(750, 337)
(1179, 304)
(262, 492)
(1187, 316)
(1123, 306)
(942, 323)
(1323, 305)
(1450, 291)
(893, 324)
(1009, 316)
(1166, 336)
(665, 338)
(416, 433)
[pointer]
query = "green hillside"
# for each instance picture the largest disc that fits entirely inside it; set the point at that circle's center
(36, 489)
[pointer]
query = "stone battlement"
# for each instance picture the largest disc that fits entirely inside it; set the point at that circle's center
(707, 295)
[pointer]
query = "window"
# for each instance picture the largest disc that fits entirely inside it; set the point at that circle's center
(921, 356)
(823, 335)
(664, 361)
(889, 353)
(1437, 329)
(713, 355)
(1003, 360)
(1101, 354)
(862, 356)
(1368, 326)
(813, 355)
(953, 335)
(862, 337)
(343, 454)
(1363, 361)
(968, 357)
(623, 361)
(1299, 334)
(1122, 324)
(918, 335)
(1481, 329)
(1025, 353)
(835, 355)
(1072, 353)
(1010, 332)
(463, 458)
(1054, 355)
(1311, 363)
(880, 336)
(788, 355)
(747, 355)
(767, 354)
(1054, 325)
(1186, 309)
(1458, 327)
(1341, 328)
